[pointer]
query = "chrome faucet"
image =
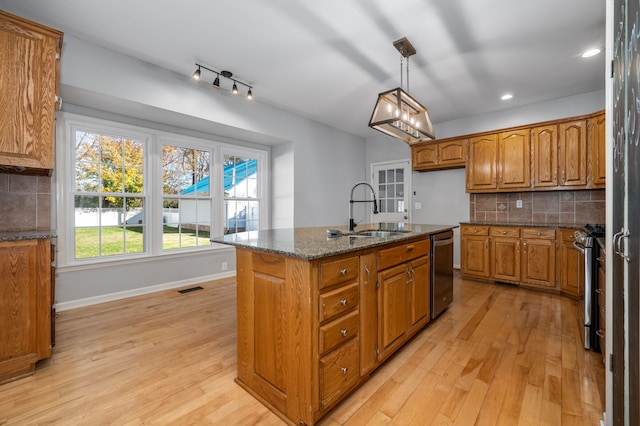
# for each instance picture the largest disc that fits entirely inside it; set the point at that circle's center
(352, 223)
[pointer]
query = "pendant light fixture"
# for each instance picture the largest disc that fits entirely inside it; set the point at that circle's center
(396, 113)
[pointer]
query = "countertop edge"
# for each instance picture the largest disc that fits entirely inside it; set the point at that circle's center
(26, 235)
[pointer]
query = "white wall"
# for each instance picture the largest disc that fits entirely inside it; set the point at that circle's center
(312, 165)
(443, 193)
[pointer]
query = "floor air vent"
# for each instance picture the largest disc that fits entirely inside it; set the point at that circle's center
(189, 290)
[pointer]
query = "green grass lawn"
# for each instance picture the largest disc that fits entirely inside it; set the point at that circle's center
(113, 240)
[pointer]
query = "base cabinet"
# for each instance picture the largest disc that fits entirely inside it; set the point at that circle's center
(25, 306)
(541, 258)
(310, 331)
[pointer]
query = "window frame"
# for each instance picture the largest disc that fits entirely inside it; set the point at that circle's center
(64, 178)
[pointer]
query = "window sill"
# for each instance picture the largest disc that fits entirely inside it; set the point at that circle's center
(142, 258)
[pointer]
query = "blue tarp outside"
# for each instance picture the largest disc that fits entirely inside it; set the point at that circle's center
(242, 170)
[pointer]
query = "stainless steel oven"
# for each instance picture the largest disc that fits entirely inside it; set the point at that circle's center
(585, 243)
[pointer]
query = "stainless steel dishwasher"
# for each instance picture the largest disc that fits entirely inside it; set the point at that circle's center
(441, 272)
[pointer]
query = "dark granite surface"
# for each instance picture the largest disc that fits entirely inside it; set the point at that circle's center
(26, 235)
(314, 243)
(525, 224)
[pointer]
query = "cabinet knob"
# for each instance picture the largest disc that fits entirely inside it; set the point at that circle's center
(344, 302)
(475, 231)
(344, 332)
(343, 271)
(539, 234)
(504, 232)
(409, 248)
(344, 370)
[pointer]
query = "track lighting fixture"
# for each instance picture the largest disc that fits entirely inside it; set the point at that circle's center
(196, 75)
(225, 74)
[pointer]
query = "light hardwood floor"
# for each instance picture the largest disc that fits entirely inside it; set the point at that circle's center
(499, 355)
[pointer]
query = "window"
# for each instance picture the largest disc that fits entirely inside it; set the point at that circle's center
(186, 199)
(241, 203)
(132, 192)
(108, 195)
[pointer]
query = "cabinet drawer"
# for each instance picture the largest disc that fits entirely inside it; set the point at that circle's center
(339, 373)
(504, 231)
(338, 271)
(475, 230)
(568, 235)
(338, 301)
(400, 254)
(339, 331)
(542, 233)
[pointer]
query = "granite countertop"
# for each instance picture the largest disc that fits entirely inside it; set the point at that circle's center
(26, 235)
(314, 243)
(524, 224)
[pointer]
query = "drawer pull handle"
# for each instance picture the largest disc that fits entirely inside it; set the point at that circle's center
(600, 333)
(475, 231)
(599, 291)
(504, 232)
(344, 332)
(344, 302)
(411, 247)
(344, 370)
(343, 271)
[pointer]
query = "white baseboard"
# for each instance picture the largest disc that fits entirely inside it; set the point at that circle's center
(110, 297)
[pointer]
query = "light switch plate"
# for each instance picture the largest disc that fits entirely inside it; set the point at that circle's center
(518, 204)
(418, 206)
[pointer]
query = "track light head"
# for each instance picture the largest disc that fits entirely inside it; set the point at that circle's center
(235, 88)
(249, 94)
(216, 82)
(196, 75)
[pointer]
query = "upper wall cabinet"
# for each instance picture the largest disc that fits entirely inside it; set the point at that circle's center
(557, 155)
(439, 155)
(30, 82)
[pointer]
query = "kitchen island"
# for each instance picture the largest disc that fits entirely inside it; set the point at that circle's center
(318, 312)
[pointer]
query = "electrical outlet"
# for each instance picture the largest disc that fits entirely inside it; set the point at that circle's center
(418, 206)
(518, 204)
(223, 266)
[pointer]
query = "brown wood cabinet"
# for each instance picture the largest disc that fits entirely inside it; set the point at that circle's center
(526, 256)
(403, 302)
(571, 265)
(439, 155)
(556, 155)
(474, 248)
(25, 306)
(539, 257)
(481, 166)
(505, 253)
(544, 151)
(30, 80)
(572, 153)
(310, 331)
(596, 139)
(514, 162)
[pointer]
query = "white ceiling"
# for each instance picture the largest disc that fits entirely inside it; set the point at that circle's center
(328, 59)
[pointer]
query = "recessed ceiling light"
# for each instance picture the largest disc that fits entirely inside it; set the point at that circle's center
(506, 96)
(591, 52)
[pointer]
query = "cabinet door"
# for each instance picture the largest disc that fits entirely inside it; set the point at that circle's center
(514, 160)
(420, 289)
(393, 307)
(475, 256)
(544, 148)
(539, 262)
(18, 305)
(571, 270)
(481, 169)
(29, 72)
(572, 158)
(452, 153)
(424, 156)
(505, 259)
(597, 151)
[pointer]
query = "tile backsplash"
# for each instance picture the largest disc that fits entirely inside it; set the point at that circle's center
(564, 207)
(25, 202)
